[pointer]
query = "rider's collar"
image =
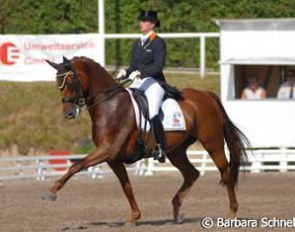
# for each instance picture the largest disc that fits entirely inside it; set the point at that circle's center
(151, 35)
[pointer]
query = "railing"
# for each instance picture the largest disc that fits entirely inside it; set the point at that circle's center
(201, 36)
(42, 167)
(103, 36)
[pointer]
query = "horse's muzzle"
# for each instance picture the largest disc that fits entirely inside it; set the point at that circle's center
(72, 113)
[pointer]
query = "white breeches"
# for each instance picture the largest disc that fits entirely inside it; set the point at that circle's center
(153, 92)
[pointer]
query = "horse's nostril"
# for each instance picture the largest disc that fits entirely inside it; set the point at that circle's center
(70, 114)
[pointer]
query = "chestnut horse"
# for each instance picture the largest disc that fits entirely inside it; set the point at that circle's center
(114, 131)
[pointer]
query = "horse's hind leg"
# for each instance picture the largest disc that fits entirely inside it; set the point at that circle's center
(190, 174)
(218, 156)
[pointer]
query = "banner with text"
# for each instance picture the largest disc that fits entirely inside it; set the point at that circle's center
(22, 57)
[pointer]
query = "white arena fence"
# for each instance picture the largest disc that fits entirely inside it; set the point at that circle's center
(42, 167)
(201, 37)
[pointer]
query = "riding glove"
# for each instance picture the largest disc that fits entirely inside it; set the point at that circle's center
(134, 74)
(121, 74)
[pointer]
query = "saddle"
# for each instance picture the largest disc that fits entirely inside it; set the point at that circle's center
(141, 101)
(143, 107)
(171, 91)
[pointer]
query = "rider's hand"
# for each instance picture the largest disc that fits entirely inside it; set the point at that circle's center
(121, 74)
(134, 74)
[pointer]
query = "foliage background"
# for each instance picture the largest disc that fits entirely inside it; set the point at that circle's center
(80, 16)
(30, 113)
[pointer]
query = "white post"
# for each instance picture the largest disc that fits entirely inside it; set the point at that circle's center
(101, 33)
(202, 56)
(40, 170)
(140, 167)
(20, 169)
(150, 164)
(203, 164)
(283, 163)
(257, 164)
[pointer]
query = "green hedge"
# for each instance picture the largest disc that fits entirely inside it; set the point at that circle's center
(80, 16)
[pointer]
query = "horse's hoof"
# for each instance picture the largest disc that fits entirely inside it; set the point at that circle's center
(130, 224)
(179, 219)
(231, 215)
(132, 219)
(49, 196)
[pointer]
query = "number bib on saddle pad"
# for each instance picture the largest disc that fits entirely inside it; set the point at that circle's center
(173, 117)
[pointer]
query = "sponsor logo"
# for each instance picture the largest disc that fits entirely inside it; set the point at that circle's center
(9, 53)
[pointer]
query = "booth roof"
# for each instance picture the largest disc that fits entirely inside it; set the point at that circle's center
(260, 61)
(256, 24)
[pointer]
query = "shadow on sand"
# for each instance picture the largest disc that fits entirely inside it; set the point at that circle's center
(101, 225)
(123, 224)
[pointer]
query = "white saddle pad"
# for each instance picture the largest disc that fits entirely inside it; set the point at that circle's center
(173, 116)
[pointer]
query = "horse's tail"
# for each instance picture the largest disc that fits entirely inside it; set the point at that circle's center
(235, 139)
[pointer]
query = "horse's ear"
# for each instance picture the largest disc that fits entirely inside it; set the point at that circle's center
(67, 63)
(52, 64)
(65, 59)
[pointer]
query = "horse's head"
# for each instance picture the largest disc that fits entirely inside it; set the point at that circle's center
(70, 86)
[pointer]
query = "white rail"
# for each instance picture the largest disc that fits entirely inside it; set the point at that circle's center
(201, 36)
(43, 167)
(103, 36)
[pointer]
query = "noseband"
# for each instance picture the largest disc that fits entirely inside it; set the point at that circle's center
(73, 84)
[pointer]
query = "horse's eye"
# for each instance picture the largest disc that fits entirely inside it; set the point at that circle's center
(59, 82)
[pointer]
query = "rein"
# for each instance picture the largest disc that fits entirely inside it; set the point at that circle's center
(107, 94)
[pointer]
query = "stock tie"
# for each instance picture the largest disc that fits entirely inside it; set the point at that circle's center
(142, 41)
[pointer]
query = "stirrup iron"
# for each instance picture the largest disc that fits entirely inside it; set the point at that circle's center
(159, 153)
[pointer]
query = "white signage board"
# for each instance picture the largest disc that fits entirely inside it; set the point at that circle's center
(22, 57)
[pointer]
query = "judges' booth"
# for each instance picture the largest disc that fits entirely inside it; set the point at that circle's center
(264, 48)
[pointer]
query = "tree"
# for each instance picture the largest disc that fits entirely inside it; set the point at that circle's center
(80, 16)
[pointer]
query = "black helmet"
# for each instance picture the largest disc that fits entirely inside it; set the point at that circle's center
(149, 15)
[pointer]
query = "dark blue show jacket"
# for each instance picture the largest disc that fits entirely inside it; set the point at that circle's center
(149, 59)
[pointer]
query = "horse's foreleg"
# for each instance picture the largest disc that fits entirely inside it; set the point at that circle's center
(120, 171)
(96, 157)
(190, 175)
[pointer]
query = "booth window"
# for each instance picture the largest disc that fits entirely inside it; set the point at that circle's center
(270, 77)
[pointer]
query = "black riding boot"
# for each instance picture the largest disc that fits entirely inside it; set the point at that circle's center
(158, 131)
